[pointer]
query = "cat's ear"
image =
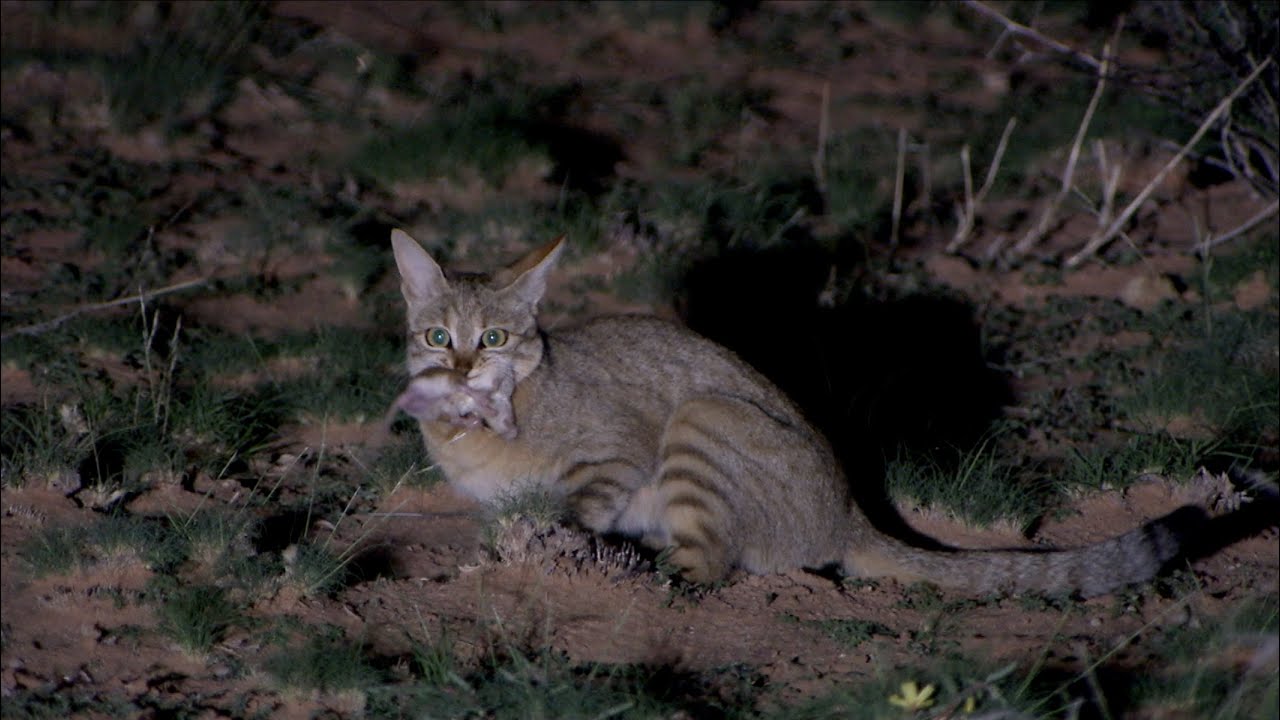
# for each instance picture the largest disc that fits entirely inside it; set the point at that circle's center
(531, 271)
(420, 276)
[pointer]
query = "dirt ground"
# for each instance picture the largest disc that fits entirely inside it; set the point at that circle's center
(423, 563)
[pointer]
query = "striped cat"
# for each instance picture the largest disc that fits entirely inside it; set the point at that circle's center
(653, 432)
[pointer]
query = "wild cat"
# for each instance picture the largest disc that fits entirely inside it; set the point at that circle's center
(653, 432)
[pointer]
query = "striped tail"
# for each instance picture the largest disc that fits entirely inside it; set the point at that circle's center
(1137, 556)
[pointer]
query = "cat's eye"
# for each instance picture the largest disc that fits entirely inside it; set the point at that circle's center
(437, 337)
(493, 338)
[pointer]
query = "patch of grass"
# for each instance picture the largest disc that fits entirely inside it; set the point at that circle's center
(535, 503)
(444, 148)
(945, 688)
(276, 224)
(680, 222)
(356, 382)
(858, 198)
(217, 541)
(435, 661)
(1219, 370)
(546, 684)
(1161, 454)
(487, 125)
(1223, 668)
(41, 445)
(1225, 270)
(314, 569)
(404, 462)
(53, 550)
(125, 539)
(176, 68)
(197, 617)
(49, 702)
(849, 632)
(1217, 669)
(700, 115)
(516, 518)
(979, 485)
(325, 662)
(112, 539)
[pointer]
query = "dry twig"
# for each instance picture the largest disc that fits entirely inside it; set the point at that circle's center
(972, 201)
(48, 325)
(1105, 236)
(1243, 228)
(824, 127)
(1037, 231)
(1024, 33)
(898, 178)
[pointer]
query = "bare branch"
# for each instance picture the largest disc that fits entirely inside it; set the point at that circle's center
(1105, 236)
(1022, 32)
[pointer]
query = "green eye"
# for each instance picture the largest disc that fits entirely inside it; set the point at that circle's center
(493, 338)
(437, 337)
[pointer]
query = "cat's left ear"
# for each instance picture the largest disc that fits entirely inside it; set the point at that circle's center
(531, 271)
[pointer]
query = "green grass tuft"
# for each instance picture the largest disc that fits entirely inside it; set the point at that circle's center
(487, 125)
(53, 551)
(980, 485)
(849, 632)
(197, 617)
(325, 662)
(175, 68)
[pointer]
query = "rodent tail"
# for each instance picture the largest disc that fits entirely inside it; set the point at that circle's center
(1136, 556)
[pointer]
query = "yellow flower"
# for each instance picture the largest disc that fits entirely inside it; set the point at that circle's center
(970, 704)
(913, 696)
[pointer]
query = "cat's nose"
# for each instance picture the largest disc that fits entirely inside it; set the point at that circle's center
(463, 362)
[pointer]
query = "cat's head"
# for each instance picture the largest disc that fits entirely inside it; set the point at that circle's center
(478, 325)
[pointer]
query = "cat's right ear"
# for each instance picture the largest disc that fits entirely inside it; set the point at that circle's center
(420, 277)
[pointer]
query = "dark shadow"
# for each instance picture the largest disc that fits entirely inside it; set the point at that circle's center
(876, 377)
(1251, 519)
(582, 159)
(370, 563)
(279, 531)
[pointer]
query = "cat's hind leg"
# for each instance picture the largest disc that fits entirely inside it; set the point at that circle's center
(699, 466)
(598, 491)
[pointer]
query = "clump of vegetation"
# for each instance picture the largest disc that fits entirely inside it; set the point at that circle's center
(982, 485)
(488, 126)
(849, 632)
(196, 60)
(113, 540)
(324, 662)
(197, 617)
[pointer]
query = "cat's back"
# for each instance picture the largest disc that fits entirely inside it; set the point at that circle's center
(631, 372)
(659, 356)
